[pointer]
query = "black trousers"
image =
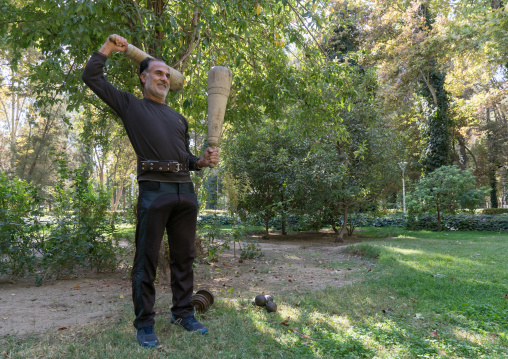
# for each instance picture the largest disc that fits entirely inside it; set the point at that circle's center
(172, 207)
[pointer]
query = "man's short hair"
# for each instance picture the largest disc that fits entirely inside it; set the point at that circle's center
(145, 64)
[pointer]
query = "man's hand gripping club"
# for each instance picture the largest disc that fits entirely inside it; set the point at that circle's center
(210, 156)
(119, 44)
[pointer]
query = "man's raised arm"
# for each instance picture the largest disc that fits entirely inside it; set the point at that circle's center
(93, 75)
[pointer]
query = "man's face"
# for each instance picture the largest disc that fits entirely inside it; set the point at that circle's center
(156, 81)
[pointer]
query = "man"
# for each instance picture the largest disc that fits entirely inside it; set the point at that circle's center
(160, 138)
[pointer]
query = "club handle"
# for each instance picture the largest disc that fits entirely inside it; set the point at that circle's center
(212, 165)
(176, 81)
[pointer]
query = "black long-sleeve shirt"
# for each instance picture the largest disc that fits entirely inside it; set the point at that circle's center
(156, 131)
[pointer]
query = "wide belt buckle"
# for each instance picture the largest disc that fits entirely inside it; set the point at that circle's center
(173, 163)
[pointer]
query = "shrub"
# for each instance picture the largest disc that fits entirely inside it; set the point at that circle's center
(209, 228)
(445, 190)
(80, 233)
(83, 231)
(19, 226)
(250, 251)
(212, 219)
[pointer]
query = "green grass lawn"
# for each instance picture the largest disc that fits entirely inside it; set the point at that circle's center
(431, 295)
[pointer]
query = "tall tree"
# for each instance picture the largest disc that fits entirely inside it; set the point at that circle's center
(15, 96)
(479, 76)
(404, 40)
(265, 157)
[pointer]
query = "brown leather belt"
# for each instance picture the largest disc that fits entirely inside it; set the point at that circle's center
(163, 166)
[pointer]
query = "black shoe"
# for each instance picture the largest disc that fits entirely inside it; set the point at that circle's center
(190, 324)
(146, 337)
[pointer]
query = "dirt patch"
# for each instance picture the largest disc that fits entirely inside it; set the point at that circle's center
(295, 263)
(25, 308)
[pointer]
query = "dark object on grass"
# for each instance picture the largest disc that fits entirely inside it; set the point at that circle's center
(260, 300)
(202, 300)
(271, 307)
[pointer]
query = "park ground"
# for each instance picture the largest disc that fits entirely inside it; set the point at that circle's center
(289, 264)
(381, 294)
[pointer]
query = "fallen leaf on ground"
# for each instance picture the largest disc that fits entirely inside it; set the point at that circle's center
(285, 321)
(63, 328)
(506, 296)
(5, 318)
(433, 333)
(77, 287)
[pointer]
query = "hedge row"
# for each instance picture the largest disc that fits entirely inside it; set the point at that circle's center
(462, 222)
(458, 222)
(495, 210)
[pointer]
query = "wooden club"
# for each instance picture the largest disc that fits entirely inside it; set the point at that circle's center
(219, 84)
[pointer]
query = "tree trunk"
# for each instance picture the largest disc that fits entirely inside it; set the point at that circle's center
(267, 218)
(438, 218)
(493, 187)
(283, 215)
(343, 230)
(157, 7)
(118, 196)
(463, 163)
(42, 143)
(267, 221)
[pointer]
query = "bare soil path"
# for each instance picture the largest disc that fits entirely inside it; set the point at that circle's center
(299, 262)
